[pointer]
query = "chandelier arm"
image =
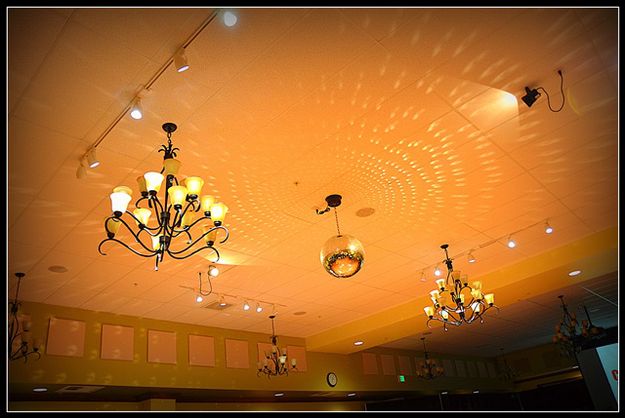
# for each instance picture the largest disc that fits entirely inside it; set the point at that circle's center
(195, 252)
(136, 237)
(200, 237)
(455, 321)
(199, 220)
(140, 223)
(125, 245)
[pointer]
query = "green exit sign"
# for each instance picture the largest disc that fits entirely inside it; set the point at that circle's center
(401, 378)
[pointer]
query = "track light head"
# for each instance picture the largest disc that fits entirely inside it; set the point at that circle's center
(530, 96)
(511, 242)
(180, 61)
(136, 111)
(92, 160)
(81, 173)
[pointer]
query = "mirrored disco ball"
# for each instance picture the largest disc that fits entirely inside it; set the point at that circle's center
(342, 256)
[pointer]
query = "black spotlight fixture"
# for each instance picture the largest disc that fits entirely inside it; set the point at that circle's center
(530, 97)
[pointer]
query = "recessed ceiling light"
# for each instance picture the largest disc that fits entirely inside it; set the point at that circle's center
(358, 342)
(575, 273)
(58, 269)
(476, 391)
(278, 394)
(351, 394)
(364, 212)
(444, 393)
(40, 389)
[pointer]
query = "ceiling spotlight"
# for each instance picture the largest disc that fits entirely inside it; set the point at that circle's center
(213, 271)
(422, 277)
(230, 19)
(470, 257)
(575, 273)
(136, 111)
(548, 228)
(180, 61)
(259, 308)
(199, 298)
(222, 301)
(437, 271)
(530, 96)
(358, 342)
(246, 306)
(511, 243)
(92, 160)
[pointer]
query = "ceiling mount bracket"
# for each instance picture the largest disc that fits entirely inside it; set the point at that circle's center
(333, 201)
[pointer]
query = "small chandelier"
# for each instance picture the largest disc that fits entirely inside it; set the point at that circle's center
(467, 303)
(569, 337)
(276, 362)
(174, 214)
(428, 369)
(19, 331)
(506, 372)
(342, 255)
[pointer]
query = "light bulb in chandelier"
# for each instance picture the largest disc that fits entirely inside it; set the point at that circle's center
(342, 255)
(176, 213)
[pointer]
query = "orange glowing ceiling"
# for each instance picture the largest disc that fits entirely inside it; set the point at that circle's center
(412, 115)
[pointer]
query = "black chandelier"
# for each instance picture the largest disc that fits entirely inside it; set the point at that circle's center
(428, 368)
(174, 216)
(276, 362)
(19, 331)
(569, 336)
(505, 371)
(461, 309)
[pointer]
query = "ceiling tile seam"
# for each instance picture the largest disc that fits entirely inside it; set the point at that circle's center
(379, 41)
(45, 185)
(43, 61)
(245, 67)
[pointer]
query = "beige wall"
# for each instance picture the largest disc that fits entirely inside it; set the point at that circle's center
(91, 370)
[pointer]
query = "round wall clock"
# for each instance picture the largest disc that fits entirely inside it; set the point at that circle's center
(331, 378)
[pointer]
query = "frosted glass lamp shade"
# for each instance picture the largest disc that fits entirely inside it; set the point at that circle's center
(206, 202)
(112, 226)
(171, 166)
(153, 181)
(119, 202)
(177, 195)
(342, 256)
(194, 186)
(218, 213)
(142, 214)
(142, 186)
